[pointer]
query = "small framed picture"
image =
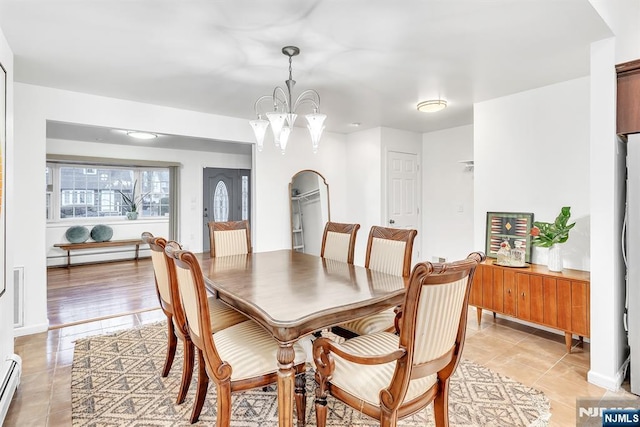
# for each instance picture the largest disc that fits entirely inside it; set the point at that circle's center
(510, 227)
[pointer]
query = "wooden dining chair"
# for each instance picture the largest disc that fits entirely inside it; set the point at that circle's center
(389, 250)
(339, 241)
(240, 357)
(387, 376)
(222, 316)
(229, 238)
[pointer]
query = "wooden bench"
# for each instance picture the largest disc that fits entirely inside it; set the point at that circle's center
(91, 245)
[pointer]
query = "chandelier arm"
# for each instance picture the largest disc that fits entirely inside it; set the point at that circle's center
(310, 96)
(282, 101)
(258, 101)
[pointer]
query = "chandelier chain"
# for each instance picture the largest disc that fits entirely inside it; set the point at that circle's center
(290, 68)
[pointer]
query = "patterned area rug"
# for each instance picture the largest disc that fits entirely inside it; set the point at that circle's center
(116, 381)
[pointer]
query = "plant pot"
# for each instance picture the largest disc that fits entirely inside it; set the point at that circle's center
(554, 261)
(132, 215)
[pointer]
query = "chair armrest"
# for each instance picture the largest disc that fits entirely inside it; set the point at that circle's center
(322, 348)
(396, 320)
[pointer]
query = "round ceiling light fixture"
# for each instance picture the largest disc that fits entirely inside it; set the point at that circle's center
(432, 105)
(141, 135)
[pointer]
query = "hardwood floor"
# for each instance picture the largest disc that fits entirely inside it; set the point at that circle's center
(99, 291)
(526, 354)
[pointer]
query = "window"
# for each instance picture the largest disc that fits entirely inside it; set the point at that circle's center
(78, 191)
(221, 203)
(245, 197)
(155, 188)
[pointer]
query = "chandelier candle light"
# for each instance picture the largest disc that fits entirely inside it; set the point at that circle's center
(284, 114)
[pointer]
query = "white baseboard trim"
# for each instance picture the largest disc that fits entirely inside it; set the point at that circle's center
(31, 329)
(606, 381)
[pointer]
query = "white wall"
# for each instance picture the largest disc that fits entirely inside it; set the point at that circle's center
(8, 209)
(272, 172)
(531, 155)
(364, 186)
(447, 196)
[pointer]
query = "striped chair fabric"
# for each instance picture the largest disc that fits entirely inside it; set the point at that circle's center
(229, 238)
(232, 242)
(338, 241)
(162, 275)
(337, 246)
(387, 256)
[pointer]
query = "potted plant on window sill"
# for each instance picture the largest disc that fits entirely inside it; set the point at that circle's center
(131, 201)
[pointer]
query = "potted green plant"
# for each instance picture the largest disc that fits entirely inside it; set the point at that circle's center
(131, 201)
(551, 235)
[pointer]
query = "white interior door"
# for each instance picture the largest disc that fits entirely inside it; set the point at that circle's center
(403, 197)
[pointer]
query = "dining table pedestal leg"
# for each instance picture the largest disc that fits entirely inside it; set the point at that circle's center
(286, 384)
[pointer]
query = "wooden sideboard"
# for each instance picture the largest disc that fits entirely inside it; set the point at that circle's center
(535, 294)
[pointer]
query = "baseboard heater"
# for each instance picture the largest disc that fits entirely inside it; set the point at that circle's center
(11, 370)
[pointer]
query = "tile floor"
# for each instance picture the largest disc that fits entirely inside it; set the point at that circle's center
(531, 356)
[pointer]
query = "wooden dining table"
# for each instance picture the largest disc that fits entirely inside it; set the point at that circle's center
(292, 294)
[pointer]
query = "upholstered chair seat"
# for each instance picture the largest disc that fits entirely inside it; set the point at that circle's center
(250, 350)
(223, 316)
(383, 321)
(364, 382)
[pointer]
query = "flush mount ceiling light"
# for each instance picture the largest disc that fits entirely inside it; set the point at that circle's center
(283, 115)
(432, 105)
(141, 135)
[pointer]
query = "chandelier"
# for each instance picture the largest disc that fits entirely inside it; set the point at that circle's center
(283, 115)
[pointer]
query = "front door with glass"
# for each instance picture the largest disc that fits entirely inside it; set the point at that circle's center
(226, 197)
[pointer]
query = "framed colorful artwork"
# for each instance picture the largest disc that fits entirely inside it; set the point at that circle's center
(509, 226)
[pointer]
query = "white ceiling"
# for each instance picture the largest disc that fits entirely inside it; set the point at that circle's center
(371, 61)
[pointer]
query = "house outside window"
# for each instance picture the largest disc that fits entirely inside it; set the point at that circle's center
(83, 191)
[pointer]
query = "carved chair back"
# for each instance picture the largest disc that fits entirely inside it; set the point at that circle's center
(339, 241)
(389, 250)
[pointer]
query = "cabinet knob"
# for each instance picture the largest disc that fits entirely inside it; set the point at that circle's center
(523, 295)
(509, 291)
